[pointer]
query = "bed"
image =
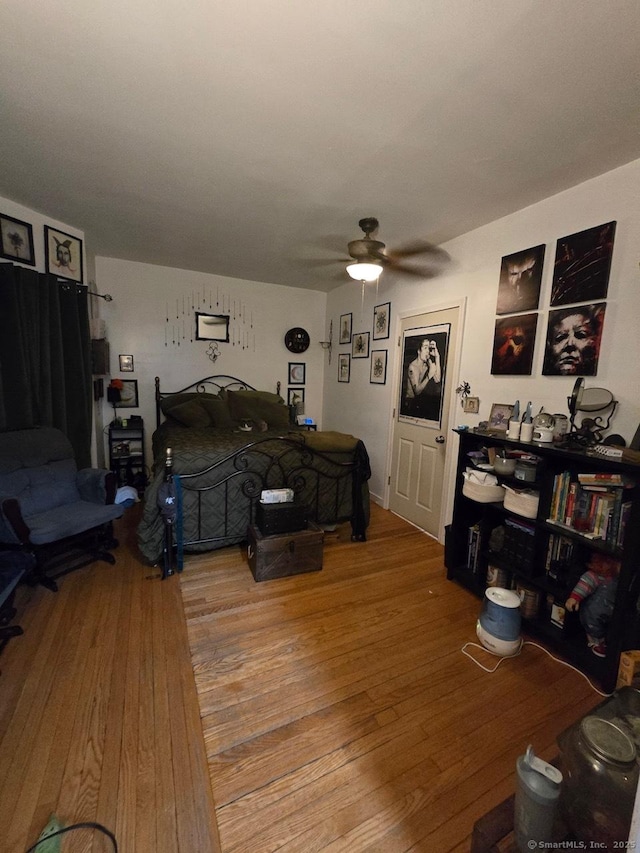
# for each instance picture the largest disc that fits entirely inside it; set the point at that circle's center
(218, 444)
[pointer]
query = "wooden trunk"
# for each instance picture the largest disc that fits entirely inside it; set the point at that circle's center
(286, 553)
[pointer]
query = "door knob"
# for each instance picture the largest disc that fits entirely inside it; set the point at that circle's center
(440, 439)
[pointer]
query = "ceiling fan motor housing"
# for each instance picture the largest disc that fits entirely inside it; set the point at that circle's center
(366, 248)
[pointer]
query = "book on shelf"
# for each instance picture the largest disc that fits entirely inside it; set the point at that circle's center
(473, 550)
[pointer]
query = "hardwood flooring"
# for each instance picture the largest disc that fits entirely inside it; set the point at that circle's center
(338, 712)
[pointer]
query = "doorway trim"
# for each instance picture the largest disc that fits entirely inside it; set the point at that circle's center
(451, 451)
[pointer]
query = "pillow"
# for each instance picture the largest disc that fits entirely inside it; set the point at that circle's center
(218, 411)
(168, 403)
(258, 406)
(190, 413)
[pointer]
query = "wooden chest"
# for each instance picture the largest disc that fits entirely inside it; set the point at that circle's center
(285, 553)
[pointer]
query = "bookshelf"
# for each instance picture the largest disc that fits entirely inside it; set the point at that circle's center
(586, 502)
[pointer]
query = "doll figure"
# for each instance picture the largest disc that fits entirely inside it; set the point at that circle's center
(593, 597)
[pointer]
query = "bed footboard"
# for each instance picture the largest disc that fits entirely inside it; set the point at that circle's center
(215, 506)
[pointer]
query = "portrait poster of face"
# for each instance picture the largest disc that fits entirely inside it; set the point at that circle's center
(520, 281)
(582, 265)
(513, 344)
(424, 364)
(573, 340)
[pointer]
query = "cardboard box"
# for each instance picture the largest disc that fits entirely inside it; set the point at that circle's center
(628, 668)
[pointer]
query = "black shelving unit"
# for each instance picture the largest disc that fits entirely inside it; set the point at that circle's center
(126, 454)
(549, 580)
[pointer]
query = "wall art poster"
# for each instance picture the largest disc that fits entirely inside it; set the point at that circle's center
(520, 281)
(513, 344)
(573, 340)
(381, 321)
(63, 254)
(378, 373)
(582, 265)
(424, 364)
(16, 240)
(345, 328)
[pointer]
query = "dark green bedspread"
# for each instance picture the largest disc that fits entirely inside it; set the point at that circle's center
(327, 470)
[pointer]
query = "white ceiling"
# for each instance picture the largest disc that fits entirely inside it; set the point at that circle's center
(247, 137)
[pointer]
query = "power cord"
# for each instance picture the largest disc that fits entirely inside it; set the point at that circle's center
(87, 825)
(516, 654)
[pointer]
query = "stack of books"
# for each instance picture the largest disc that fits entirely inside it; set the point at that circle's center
(591, 504)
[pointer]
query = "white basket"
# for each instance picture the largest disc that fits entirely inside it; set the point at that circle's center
(483, 493)
(521, 501)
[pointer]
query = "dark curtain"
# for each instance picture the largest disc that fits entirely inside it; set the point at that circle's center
(45, 356)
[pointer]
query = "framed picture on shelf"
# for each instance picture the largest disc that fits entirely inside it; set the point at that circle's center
(126, 363)
(381, 315)
(378, 374)
(16, 240)
(129, 394)
(345, 328)
(499, 417)
(344, 367)
(360, 345)
(63, 254)
(297, 373)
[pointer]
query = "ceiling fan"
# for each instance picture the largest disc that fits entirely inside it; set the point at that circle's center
(369, 257)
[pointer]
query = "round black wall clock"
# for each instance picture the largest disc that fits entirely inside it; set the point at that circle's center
(297, 340)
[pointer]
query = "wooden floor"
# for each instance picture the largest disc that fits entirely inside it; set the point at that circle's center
(337, 708)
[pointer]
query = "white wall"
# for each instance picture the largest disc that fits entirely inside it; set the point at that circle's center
(144, 295)
(364, 409)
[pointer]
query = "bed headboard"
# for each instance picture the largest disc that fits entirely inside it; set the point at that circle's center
(208, 385)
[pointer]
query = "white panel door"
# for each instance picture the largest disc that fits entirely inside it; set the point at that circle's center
(428, 343)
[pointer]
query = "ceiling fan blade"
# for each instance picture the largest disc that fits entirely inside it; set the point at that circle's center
(419, 247)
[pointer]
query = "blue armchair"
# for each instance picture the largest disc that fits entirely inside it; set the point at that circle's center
(50, 509)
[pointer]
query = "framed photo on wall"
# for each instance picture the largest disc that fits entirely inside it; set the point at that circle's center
(297, 372)
(126, 363)
(295, 397)
(344, 367)
(346, 321)
(574, 337)
(378, 375)
(16, 240)
(129, 394)
(360, 345)
(63, 254)
(381, 315)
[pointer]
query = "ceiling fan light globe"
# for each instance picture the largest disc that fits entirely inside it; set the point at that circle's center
(364, 271)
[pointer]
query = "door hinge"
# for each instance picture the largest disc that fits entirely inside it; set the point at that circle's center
(398, 340)
(394, 413)
(389, 480)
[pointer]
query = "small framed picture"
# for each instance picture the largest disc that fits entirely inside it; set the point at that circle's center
(360, 345)
(345, 328)
(499, 417)
(378, 374)
(471, 405)
(295, 397)
(129, 394)
(297, 372)
(126, 363)
(344, 367)
(63, 254)
(16, 240)
(381, 321)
